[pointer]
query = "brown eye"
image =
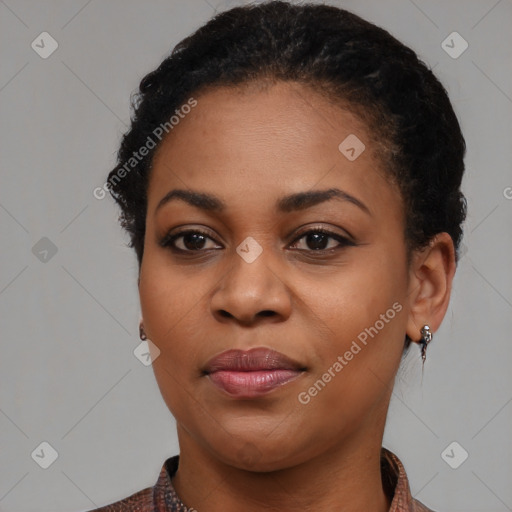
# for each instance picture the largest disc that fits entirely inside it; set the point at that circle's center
(187, 241)
(319, 240)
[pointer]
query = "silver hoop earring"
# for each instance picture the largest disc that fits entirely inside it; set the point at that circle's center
(142, 334)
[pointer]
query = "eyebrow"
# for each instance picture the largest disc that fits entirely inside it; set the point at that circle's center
(293, 202)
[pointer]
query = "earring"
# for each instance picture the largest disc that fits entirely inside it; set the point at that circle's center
(142, 334)
(426, 338)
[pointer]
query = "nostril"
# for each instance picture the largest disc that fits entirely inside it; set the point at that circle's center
(266, 312)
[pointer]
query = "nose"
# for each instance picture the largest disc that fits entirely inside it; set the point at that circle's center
(251, 292)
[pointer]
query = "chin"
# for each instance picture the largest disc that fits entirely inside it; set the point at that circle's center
(261, 455)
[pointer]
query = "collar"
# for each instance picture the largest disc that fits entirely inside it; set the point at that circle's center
(396, 484)
(162, 497)
(394, 478)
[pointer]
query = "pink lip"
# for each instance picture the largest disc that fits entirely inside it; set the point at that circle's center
(249, 374)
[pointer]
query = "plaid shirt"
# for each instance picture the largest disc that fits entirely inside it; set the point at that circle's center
(163, 498)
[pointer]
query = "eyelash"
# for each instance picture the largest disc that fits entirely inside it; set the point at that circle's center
(170, 239)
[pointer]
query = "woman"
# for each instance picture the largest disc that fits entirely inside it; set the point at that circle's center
(291, 186)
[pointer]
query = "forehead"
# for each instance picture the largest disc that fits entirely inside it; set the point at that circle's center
(248, 144)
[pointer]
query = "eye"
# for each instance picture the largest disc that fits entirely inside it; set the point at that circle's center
(192, 240)
(318, 240)
(195, 240)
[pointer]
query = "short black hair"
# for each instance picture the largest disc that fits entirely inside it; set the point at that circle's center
(342, 56)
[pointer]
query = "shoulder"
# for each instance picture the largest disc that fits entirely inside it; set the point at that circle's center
(419, 507)
(151, 499)
(396, 484)
(141, 501)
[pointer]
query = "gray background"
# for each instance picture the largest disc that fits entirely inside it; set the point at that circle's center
(69, 325)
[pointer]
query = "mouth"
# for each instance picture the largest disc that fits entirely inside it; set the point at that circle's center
(252, 373)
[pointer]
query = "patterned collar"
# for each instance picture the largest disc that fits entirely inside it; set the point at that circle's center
(162, 497)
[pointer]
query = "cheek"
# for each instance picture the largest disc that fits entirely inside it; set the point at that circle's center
(356, 297)
(169, 308)
(364, 311)
(168, 298)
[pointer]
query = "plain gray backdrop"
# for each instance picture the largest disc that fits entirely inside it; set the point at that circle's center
(68, 293)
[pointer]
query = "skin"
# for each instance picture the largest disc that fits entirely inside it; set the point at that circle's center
(250, 147)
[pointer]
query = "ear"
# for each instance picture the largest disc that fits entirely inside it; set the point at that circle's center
(430, 283)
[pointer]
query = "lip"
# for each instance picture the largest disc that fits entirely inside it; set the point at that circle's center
(251, 373)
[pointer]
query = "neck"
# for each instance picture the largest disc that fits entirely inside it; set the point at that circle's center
(345, 477)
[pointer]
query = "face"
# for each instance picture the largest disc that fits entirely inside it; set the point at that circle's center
(322, 279)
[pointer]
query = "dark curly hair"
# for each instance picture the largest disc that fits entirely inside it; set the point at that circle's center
(341, 56)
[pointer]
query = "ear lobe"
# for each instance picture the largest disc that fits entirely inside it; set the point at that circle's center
(430, 283)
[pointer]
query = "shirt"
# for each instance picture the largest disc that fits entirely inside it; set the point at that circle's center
(162, 497)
